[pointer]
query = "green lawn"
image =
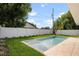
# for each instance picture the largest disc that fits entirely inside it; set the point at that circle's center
(17, 48)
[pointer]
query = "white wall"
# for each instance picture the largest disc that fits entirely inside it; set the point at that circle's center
(68, 32)
(16, 32)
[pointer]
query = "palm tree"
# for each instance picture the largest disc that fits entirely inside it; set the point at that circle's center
(65, 22)
(53, 20)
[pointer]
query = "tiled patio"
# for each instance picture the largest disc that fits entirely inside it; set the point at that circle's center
(68, 47)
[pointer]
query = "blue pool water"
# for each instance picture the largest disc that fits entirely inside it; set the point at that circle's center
(45, 43)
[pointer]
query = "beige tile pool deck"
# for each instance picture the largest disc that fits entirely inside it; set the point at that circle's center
(69, 47)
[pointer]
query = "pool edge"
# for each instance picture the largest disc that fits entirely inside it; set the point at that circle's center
(32, 47)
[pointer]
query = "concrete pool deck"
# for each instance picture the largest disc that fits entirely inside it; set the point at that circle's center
(69, 47)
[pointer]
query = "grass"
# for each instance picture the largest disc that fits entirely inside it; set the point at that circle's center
(67, 35)
(17, 48)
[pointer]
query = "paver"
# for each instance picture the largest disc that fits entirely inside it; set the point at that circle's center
(68, 47)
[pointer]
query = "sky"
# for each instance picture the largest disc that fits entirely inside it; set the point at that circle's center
(41, 13)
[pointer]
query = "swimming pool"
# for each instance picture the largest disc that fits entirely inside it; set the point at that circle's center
(44, 44)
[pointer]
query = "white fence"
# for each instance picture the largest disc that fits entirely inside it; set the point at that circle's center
(16, 32)
(68, 32)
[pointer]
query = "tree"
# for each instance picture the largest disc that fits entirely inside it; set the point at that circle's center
(13, 15)
(65, 22)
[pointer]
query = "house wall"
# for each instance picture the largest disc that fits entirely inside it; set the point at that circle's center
(68, 32)
(73, 7)
(17, 32)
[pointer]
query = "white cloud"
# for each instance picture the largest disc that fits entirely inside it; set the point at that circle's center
(34, 22)
(48, 23)
(43, 5)
(33, 13)
(38, 25)
(31, 21)
(61, 14)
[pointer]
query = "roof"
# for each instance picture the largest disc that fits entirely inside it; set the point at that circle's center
(31, 25)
